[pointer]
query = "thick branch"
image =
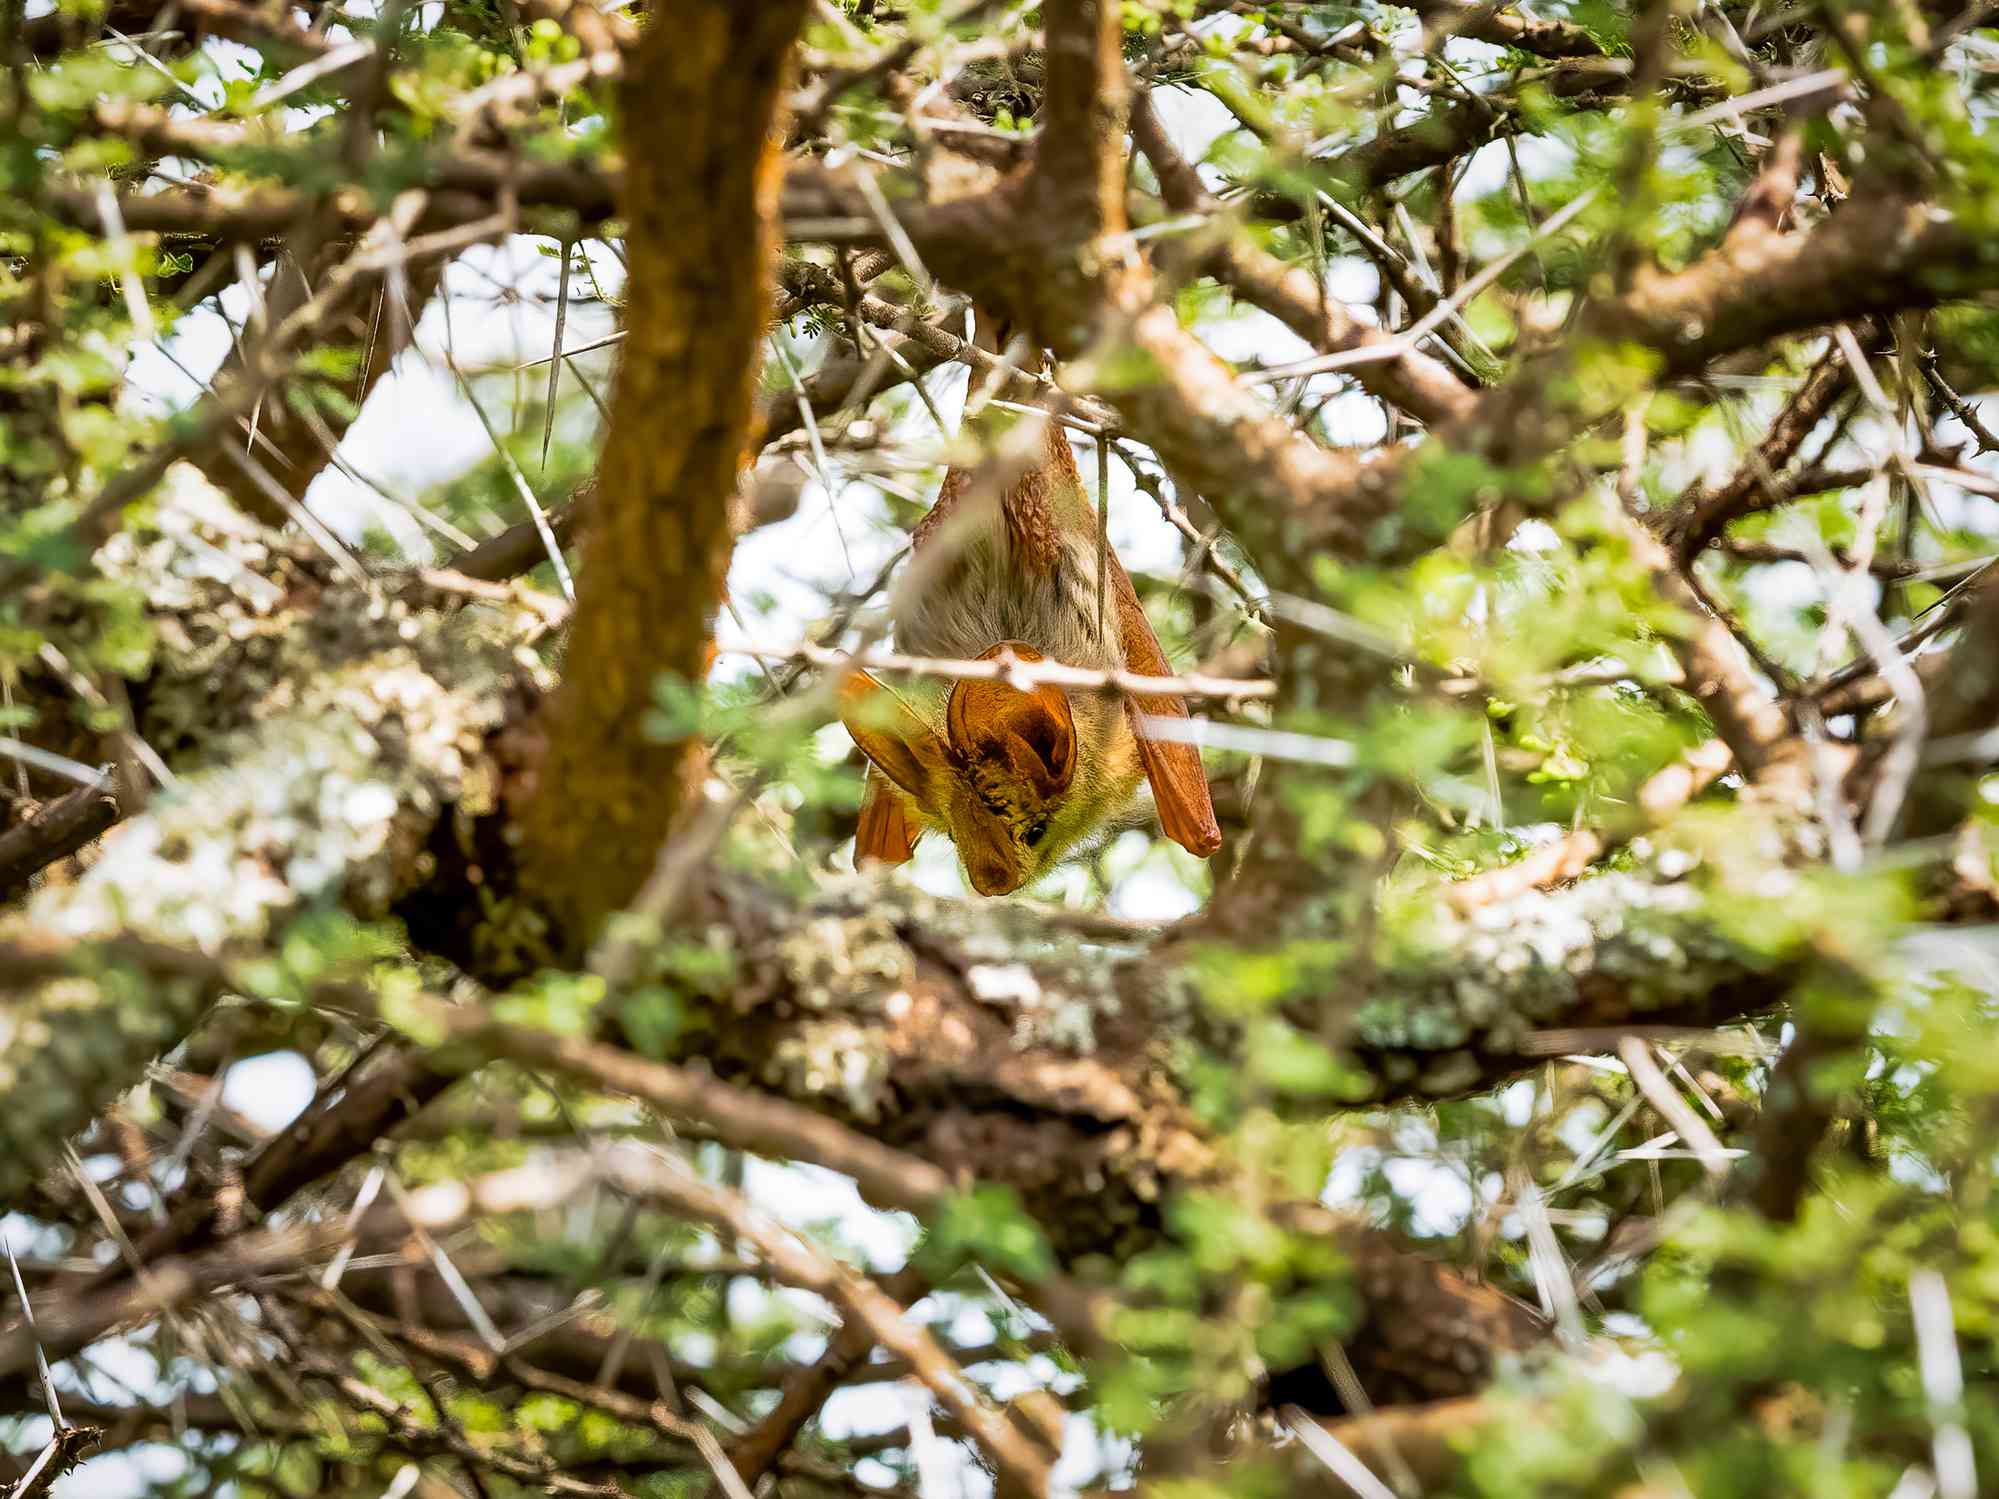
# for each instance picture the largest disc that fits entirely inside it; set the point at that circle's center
(1874, 255)
(1420, 385)
(387, 707)
(1703, 514)
(702, 94)
(1758, 731)
(1079, 162)
(1508, 28)
(54, 832)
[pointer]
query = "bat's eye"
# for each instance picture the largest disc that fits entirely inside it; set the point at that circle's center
(1032, 838)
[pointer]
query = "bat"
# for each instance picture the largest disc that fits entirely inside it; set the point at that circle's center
(1019, 779)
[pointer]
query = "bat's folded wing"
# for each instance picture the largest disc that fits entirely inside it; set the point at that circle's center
(886, 833)
(1179, 783)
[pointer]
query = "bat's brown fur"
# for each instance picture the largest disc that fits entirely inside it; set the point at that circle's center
(1019, 779)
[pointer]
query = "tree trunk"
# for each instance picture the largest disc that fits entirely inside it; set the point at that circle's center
(701, 98)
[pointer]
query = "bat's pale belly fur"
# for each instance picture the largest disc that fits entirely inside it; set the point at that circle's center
(986, 598)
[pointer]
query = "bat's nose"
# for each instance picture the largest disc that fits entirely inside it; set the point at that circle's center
(990, 876)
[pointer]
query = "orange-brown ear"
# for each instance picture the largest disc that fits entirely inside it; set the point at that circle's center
(1179, 783)
(901, 746)
(1035, 732)
(885, 833)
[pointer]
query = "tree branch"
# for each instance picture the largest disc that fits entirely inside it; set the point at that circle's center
(1420, 385)
(792, 1260)
(1703, 514)
(244, 820)
(55, 832)
(703, 89)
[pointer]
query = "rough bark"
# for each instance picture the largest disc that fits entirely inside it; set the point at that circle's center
(317, 736)
(700, 99)
(1273, 483)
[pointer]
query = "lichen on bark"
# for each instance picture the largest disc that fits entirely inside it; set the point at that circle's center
(997, 1046)
(334, 726)
(1453, 1011)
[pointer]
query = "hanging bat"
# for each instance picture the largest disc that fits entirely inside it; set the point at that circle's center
(1018, 779)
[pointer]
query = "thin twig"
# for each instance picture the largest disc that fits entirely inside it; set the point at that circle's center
(1005, 667)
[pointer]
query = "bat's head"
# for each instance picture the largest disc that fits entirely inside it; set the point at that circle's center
(1016, 778)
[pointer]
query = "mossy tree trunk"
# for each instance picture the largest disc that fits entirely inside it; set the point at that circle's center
(700, 100)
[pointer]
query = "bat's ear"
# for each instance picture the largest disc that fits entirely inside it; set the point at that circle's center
(898, 743)
(1034, 732)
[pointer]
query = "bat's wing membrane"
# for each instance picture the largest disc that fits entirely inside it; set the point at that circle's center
(1179, 782)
